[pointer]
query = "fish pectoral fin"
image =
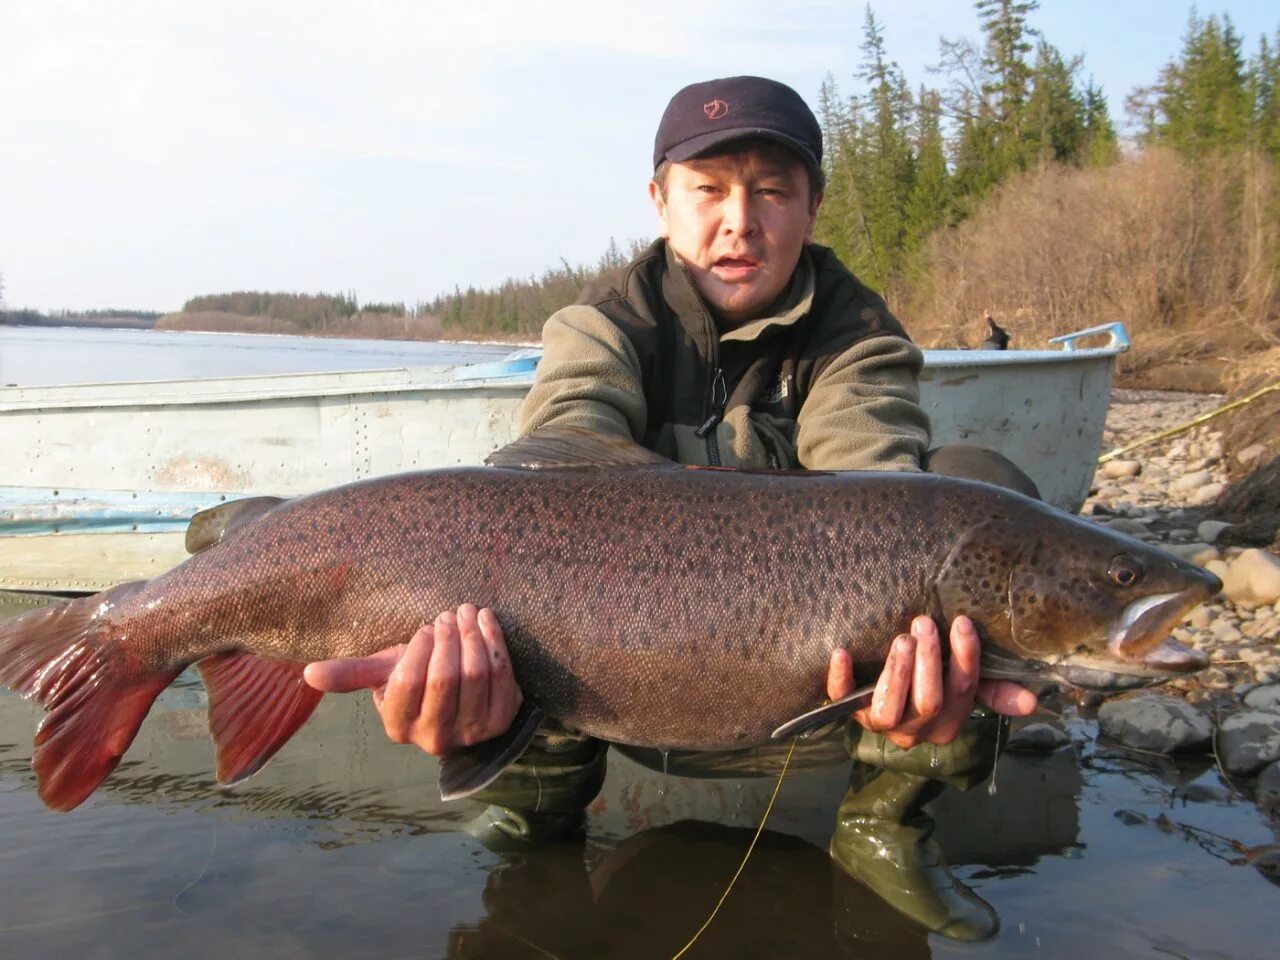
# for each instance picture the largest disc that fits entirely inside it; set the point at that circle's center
(553, 448)
(831, 712)
(465, 771)
(255, 705)
(210, 527)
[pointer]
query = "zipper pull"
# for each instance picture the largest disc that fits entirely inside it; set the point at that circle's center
(719, 396)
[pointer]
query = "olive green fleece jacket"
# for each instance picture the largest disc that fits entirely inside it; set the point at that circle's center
(827, 379)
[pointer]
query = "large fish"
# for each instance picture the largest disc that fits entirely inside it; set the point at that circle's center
(643, 602)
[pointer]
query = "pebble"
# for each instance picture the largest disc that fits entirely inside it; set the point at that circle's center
(1269, 788)
(1037, 738)
(1201, 617)
(1266, 697)
(1191, 481)
(1253, 578)
(1210, 530)
(1116, 469)
(1157, 723)
(1248, 741)
(1206, 494)
(1251, 453)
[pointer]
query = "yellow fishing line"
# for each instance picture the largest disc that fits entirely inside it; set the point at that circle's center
(747, 856)
(1183, 427)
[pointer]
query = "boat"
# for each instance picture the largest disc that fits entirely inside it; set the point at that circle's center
(102, 478)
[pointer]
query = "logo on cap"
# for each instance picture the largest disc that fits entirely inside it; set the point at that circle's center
(715, 109)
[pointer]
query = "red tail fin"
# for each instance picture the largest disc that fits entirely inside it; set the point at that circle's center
(64, 658)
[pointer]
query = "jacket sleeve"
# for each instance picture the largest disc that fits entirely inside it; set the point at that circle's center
(589, 376)
(863, 410)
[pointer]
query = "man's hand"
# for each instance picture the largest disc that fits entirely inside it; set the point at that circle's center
(911, 704)
(450, 686)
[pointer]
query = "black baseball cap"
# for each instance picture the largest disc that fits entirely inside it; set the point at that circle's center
(706, 115)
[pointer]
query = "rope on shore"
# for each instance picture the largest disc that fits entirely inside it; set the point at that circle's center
(1193, 422)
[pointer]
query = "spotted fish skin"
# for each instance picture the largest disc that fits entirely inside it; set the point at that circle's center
(679, 608)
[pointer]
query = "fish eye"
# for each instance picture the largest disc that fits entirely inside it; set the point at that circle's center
(1125, 570)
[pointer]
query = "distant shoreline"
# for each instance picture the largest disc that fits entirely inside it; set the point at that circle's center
(122, 323)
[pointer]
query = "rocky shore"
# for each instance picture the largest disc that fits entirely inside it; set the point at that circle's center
(1164, 493)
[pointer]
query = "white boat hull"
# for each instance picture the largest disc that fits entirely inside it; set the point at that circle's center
(104, 475)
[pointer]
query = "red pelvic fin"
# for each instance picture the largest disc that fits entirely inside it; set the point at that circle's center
(64, 657)
(255, 705)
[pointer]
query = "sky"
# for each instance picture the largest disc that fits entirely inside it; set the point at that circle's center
(151, 151)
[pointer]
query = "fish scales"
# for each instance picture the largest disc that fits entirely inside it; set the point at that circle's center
(625, 596)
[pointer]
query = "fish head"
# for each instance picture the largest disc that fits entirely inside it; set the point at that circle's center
(1058, 597)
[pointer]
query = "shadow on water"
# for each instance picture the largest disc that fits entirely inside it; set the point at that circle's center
(342, 848)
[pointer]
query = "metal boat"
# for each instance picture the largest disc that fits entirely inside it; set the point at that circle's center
(100, 479)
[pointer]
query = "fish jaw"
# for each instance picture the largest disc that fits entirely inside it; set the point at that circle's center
(1144, 624)
(1104, 675)
(1139, 651)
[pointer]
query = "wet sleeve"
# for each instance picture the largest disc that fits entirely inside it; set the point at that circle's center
(863, 410)
(589, 376)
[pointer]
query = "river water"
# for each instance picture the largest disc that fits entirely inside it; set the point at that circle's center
(42, 356)
(341, 847)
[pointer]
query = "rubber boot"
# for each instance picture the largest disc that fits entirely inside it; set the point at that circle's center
(543, 796)
(883, 837)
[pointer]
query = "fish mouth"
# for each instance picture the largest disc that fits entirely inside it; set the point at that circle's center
(1145, 623)
(1139, 650)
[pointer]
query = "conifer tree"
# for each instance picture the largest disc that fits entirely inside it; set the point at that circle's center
(1202, 100)
(1054, 121)
(1101, 146)
(929, 201)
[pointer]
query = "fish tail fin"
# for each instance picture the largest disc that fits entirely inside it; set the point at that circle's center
(64, 657)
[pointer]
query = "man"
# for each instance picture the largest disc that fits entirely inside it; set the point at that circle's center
(733, 341)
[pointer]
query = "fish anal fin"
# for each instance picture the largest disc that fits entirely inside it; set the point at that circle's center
(828, 713)
(210, 527)
(465, 771)
(552, 448)
(65, 658)
(256, 704)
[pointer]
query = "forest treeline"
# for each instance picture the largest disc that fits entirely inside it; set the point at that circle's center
(1003, 188)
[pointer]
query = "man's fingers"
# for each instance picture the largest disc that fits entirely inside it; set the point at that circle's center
(890, 696)
(401, 698)
(353, 673)
(504, 695)
(1007, 697)
(473, 688)
(926, 679)
(440, 705)
(966, 660)
(840, 674)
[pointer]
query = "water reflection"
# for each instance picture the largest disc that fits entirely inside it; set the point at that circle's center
(648, 895)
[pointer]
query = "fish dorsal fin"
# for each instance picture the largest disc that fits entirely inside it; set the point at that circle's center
(210, 527)
(255, 705)
(566, 448)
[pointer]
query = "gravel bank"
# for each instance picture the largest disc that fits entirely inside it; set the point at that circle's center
(1164, 493)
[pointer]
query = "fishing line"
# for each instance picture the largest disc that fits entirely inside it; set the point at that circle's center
(1183, 427)
(100, 914)
(747, 856)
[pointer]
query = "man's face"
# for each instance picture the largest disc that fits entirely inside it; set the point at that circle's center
(739, 222)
